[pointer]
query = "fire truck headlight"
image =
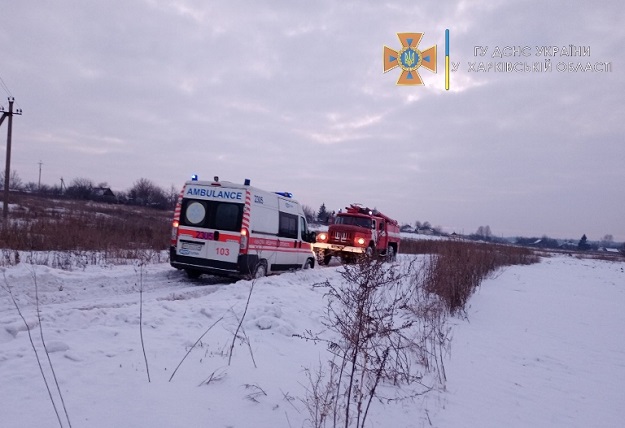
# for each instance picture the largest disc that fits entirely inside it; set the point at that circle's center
(361, 241)
(323, 236)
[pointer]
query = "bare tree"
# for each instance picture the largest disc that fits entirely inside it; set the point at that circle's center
(145, 192)
(172, 196)
(484, 232)
(309, 213)
(31, 187)
(607, 240)
(80, 188)
(15, 182)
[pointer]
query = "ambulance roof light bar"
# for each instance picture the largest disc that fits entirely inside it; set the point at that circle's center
(194, 177)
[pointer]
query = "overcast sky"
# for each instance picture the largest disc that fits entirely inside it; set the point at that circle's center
(292, 95)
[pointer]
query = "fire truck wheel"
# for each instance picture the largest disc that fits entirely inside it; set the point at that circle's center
(390, 253)
(193, 274)
(326, 259)
(261, 270)
(370, 251)
(349, 259)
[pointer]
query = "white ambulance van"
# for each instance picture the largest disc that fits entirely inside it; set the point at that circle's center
(229, 229)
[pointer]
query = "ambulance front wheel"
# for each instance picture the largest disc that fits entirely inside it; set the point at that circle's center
(261, 269)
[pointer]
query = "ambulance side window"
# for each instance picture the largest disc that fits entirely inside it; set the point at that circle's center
(287, 226)
(303, 230)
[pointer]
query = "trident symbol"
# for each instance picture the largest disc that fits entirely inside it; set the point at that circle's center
(409, 58)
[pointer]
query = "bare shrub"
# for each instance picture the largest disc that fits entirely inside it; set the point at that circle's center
(50, 224)
(7, 288)
(383, 322)
(320, 394)
(140, 267)
(93, 232)
(418, 246)
(458, 268)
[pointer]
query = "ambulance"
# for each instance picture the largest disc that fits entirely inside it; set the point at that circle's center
(230, 229)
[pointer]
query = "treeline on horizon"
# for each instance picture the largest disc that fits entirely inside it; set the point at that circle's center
(143, 192)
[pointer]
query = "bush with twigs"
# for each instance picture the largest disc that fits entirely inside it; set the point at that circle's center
(457, 268)
(387, 342)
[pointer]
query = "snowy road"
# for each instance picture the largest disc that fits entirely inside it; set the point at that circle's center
(543, 346)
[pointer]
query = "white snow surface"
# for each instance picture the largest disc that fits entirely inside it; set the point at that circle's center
(541, 346)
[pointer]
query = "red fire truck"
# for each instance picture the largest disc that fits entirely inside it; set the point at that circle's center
(358, 230)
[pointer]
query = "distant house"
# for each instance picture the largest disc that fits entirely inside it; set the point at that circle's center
(104, 194)
(609, 250)
(568, 246)
(407, 229)
(426, 231)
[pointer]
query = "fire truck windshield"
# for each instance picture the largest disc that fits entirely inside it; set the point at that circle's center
(353, 221)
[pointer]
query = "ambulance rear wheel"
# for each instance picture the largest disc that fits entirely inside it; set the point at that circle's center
(193, 274)
(261, 270)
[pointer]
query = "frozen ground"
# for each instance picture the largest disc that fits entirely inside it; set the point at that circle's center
(542, 346)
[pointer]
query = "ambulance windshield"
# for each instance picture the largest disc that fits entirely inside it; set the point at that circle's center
(353, 221)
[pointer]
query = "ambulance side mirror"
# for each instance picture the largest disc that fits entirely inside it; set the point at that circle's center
(312, 237)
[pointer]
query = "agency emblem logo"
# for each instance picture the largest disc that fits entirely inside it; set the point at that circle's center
(409, 58)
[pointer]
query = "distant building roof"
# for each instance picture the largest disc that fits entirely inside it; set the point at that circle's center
(103, 192)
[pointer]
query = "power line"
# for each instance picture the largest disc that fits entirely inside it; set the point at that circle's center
(5, 87)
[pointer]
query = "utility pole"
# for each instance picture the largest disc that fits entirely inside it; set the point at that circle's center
(7, 173)
(39, 185)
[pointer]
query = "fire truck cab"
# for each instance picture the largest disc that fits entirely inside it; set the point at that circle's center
(229, 229)
(356, 231)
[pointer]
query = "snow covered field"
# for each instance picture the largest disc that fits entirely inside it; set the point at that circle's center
(543, 346)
